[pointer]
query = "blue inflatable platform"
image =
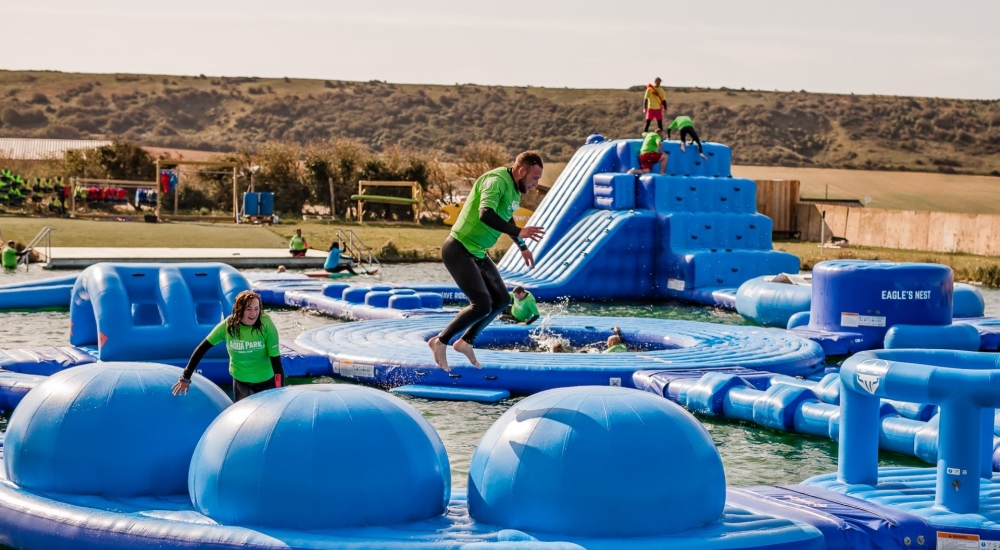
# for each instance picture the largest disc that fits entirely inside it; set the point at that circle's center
(547, 475)
(693, 234)
(46, 294)
(394, 352)
(859, 305)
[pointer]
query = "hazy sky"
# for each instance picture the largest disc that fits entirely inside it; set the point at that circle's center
(914, 47)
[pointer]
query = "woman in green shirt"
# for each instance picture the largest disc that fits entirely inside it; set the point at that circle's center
(252, 341)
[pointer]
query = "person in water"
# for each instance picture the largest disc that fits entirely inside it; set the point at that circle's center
(336, 261)
(650, 153)
(686, 128)
(298, 246)
(654, 102)
(252, 341)
(615, 344)
(488, 212)
(522, 308)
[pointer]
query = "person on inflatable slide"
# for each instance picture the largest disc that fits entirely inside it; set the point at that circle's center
(252, 341)
(298, 246)
(654, 103)
(686, 128)
(488, 212)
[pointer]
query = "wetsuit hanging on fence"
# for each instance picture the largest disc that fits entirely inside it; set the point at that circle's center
(488, 212)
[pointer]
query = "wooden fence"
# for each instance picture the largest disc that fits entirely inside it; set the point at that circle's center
(779, 200)
(902, 229)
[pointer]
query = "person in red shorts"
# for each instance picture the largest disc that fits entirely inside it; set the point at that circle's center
(654, 103)
(651, 153)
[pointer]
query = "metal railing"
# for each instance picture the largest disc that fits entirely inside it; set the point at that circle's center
(359, 252)
(44, 235)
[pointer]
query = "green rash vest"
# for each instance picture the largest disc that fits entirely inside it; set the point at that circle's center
(250, 353)
(9, 258)
(650, 143)
(297, 243)
(680, 123)
(495, 190)
(525, 309)
(617, 348)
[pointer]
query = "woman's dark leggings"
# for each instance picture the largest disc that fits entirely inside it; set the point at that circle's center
(242, 390)
(689, 131)
(481, 283)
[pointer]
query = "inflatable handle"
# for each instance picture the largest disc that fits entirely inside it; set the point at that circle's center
(277, 380)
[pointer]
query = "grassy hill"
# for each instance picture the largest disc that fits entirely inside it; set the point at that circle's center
(795, 129)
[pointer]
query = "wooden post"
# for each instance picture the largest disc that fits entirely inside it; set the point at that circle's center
(72, 197)
(333, 203)
(360, 202)
(159, 190)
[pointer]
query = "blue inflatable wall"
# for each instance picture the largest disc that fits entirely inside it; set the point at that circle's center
(136, 312)
(692, 234)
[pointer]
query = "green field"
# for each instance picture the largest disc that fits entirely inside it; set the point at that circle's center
(399, 242)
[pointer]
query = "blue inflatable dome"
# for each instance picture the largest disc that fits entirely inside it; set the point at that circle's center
(564, 461)
(321, 456)
(110, 429)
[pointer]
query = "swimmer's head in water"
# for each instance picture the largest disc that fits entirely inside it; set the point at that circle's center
(246, 311)
(281, 269)
(527, 170)
(614, 340)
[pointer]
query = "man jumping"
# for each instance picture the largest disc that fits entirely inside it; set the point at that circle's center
(488, 212)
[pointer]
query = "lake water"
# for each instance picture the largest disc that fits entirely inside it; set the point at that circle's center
(751, 455)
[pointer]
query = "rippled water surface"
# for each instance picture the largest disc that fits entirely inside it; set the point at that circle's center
(751, 455)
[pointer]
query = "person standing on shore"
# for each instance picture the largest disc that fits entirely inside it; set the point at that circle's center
(654, 103)
(488, 212)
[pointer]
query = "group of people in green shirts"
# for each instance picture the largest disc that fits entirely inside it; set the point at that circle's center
(651, 152)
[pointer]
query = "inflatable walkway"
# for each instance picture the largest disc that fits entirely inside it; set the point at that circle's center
(691, 235)
(552, 473)
(46, 294)
(795, 405)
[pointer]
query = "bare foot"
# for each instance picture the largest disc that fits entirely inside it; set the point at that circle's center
(440, 351)
(702, 155)
(682, 146)
(465, 348)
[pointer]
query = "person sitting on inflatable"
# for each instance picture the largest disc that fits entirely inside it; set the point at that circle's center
(522, 308)
(615, 344)
(10, 256)
(298, 246)
(252, 341)
(336, 261)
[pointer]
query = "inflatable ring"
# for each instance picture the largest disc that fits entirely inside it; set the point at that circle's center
(394, 352)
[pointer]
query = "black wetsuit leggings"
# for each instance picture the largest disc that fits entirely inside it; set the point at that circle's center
(246, 389)
(689, 131)
(481, 283)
